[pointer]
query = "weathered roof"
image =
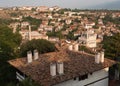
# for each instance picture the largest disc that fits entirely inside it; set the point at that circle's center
(75, 64)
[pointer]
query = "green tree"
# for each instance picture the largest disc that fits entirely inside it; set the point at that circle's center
(41, 45)
(28, 82)
(95, 27)
(60, 11)
(55, 34)
(9, 43)
(112, 46)
(33, 9)
(6, 21)
(112, 49)
(33, 21)
(70, 36)
(13, 14)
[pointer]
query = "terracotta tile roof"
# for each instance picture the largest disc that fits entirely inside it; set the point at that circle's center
(75, 64)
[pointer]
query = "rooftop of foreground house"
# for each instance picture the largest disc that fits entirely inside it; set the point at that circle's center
(75, 64)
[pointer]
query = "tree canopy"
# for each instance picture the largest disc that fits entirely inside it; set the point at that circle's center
(41, 45)
(112, 46)
(55, 34)
(33, 21)
(26, 82)
(9, 42)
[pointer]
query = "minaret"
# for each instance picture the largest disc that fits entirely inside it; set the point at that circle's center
(29, 33)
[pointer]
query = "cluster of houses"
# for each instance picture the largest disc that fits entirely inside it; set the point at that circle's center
(68, 66)
(90, 26)
(38, 8)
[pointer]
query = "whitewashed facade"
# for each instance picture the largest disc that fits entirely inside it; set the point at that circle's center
(98, 78)
(88, 38)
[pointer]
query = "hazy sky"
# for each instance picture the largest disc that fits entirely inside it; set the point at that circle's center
(61, 3)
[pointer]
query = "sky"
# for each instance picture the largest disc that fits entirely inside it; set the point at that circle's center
(50, 3)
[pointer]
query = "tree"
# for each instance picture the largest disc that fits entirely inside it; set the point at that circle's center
(28, 82)
(60, 11)
(95, 27)
(33, 21)
(112, 50)
(84, 48)
(33, 9)
(70, 35)
(109, 18)
(77, 20)
(112, 46)
(43, 46)
(9, 43)
(13, 14)
(55, 34)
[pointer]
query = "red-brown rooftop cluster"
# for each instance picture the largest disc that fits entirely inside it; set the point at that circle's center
(75, 64)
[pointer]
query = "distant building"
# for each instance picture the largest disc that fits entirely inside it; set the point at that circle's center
(89, 25)
(88, 38)
(42, 9)
(29, 35)
(24, 24)
(68, 21)
(1, 8)
(26, 8)
(14, 26)
(53, 39)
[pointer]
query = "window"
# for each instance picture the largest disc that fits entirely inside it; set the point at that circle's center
(83, 77)
(75, 78)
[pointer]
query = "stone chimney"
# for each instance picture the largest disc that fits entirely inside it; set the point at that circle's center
(76, 47)
(97, 58)
(29, 56)
(36, 55)
(53, 69)
(60, 68)
(102, 56)
(70, 47)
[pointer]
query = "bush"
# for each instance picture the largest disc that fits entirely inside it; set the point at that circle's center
(43, 46)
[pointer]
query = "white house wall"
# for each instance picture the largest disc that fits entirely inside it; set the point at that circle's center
(99, 78)
(100, 83)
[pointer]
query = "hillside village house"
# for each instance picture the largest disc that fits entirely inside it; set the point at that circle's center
(24, 24)
(29, 35)
(26, 8)
(89, 25)
(66, 67)
(42, 9)
(88, 38)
